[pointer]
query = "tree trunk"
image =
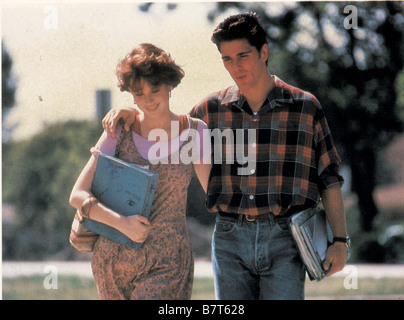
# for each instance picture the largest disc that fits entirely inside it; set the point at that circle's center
(363, 166)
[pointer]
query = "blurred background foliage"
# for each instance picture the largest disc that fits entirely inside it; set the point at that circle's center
(38, 176)
(356, 73)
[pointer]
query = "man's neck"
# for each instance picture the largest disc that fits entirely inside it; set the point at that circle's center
(256, 95)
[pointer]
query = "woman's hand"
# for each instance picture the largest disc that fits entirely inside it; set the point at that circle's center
(136, 228)
(112, 117)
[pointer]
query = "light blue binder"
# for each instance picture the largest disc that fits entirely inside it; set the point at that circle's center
(124, 188)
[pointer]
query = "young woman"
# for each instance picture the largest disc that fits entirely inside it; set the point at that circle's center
(163, 267)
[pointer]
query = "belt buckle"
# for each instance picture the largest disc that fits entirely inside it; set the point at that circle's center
(250, 218)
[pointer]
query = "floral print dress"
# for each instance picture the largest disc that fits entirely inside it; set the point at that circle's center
(163, 268)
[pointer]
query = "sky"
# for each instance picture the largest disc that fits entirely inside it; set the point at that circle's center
(64, 51)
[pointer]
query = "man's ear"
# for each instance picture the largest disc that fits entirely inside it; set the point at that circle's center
(264, 53)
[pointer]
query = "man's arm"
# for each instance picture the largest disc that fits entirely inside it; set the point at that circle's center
(334, 207)
(112, 117)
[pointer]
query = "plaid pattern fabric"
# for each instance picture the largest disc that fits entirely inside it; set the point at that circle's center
(294, 152)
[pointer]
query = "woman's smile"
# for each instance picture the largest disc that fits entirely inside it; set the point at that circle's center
(151, 108)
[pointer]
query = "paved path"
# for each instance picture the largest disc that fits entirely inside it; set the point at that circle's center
(12, 269)
(202, 269)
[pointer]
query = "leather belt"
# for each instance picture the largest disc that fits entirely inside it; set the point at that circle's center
(249, 218)
(264, 216)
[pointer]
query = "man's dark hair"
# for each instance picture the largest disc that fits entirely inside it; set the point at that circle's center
(241, 26)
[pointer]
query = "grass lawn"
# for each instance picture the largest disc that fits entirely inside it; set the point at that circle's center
(77, 288)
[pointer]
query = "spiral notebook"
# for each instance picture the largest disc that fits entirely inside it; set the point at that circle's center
(125, 188)
(312, 234)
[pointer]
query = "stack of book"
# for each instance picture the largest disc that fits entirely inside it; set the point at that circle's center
(312, 234)
(125, 188)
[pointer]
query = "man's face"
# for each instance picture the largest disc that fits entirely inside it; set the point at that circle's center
(244, 63)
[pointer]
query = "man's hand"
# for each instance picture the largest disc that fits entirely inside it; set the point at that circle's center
(335, 258)
(112, 117)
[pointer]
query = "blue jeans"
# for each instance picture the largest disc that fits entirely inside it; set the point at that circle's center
(256, 260)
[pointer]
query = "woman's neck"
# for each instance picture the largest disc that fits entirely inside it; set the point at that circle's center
(148, 124)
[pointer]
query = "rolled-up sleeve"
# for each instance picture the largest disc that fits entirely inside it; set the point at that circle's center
(327, 158)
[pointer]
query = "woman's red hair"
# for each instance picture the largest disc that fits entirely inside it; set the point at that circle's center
(149, 63)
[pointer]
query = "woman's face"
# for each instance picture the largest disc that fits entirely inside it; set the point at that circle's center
(151, 99)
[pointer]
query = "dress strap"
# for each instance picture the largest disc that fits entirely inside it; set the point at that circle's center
(184, 123)
(136, 125)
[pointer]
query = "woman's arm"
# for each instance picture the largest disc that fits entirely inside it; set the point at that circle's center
(82, 188)
(204, 165)
(203, 171)
(135, 227)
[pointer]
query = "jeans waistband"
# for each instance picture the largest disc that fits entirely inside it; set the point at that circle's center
(249, 218)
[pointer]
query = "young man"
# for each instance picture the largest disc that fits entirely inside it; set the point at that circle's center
(295, 163)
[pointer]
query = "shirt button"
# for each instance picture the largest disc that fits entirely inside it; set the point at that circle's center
(254, 145)
(251, 197)
(252, 171)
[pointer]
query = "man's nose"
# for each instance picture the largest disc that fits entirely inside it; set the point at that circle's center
(235, 66)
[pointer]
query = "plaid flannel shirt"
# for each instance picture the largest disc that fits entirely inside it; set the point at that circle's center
(295, 156)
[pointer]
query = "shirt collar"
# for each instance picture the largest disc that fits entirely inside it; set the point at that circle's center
(279, 94)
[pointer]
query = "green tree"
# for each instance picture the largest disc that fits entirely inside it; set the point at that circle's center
(38, 176)
(353, 72)
(8, 87)
(400, 94)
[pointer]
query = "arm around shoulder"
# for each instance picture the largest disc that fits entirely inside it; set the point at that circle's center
(111, 119)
